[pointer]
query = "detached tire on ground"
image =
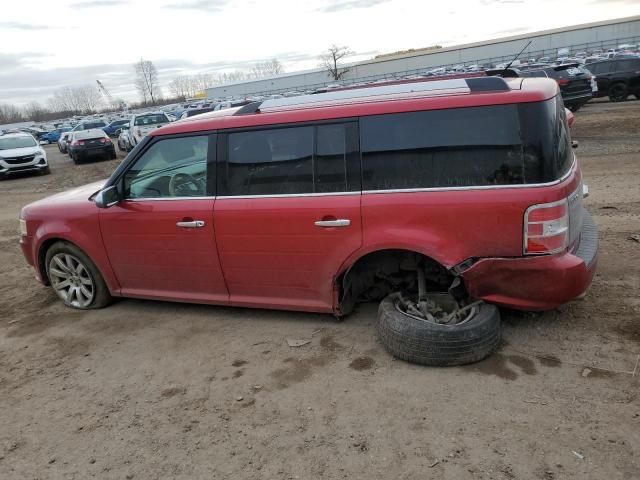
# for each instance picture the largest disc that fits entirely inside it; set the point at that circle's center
(427, 343)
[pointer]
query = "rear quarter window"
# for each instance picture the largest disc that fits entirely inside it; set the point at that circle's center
(443, 148)
(466, 147)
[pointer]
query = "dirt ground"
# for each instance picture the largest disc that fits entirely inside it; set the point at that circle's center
(152, 390)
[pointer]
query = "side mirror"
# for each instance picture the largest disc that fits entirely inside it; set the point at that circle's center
(107, 197)
(118, 132)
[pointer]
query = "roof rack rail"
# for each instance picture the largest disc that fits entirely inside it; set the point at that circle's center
(402, 91)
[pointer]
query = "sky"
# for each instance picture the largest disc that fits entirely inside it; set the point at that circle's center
(49, 44)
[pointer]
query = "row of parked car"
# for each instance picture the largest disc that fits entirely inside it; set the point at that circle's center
(93, 137)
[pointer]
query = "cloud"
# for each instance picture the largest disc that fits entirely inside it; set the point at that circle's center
(201, 5)
(22, 82)
(341, 5)
(22, 26)
(98, 3)
(512, 30)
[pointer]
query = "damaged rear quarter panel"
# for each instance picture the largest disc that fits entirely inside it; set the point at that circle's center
(452, 225)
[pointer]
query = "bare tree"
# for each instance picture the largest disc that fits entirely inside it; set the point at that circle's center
(180, 86)
(10, 114)
(332, 59)
(147, 80)
(202, 81)
(35, 112)
(77, 99)
(230, 77)
(88, 98)
(267, 68)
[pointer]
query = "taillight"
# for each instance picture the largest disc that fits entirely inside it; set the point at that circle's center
(77, 142)
(563, 81)
(105, 140)
(546, 228)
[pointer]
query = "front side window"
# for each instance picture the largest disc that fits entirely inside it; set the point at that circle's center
(174, 167)
(289, 161)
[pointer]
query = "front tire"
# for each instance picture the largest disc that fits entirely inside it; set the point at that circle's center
(427, 343)
(75, 278)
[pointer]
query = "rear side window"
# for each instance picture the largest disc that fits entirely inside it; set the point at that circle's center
(289, 161)
(626, 65)
(91, 125)
(600, 68)
(150, 119)
(443, 148)
(466, 147)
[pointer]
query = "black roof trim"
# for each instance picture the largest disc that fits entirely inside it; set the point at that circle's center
(487, 84)
(249, 108)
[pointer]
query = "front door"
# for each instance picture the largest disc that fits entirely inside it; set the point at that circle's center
(288, 213)
(160, 238)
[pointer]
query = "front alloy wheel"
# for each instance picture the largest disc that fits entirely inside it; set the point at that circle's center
(71, 280)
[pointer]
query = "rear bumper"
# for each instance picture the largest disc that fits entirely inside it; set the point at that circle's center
(577, 97)
(94, 152)
(537, 283)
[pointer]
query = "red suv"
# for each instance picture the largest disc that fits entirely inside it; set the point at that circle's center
(465, 187)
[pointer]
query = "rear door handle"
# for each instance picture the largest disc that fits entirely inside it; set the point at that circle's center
(340, 222)
(191, 224)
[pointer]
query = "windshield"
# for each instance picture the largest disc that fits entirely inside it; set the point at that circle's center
(16, 142)
(150, 120)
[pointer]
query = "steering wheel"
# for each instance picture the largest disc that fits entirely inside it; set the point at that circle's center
(185, 185)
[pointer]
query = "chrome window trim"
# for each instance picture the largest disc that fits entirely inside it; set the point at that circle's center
(288, 195)
(398, 190)
(157, 199)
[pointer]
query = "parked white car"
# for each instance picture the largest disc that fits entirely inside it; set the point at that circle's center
(142, 124)
(123, 139)
(20, 152)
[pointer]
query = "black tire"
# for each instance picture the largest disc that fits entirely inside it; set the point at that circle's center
(101, 297)
(75, 159)
(618, 92)
(46, 170)
(427, 343)
(574, 107)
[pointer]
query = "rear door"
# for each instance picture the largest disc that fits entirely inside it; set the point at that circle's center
(602, 71)
(288, 213)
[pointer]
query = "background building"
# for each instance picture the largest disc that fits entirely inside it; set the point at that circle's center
(585, 37)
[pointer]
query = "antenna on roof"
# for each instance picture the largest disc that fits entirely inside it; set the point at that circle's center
(515, 58)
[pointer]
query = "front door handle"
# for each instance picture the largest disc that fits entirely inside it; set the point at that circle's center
(191, 224)
(339, 222)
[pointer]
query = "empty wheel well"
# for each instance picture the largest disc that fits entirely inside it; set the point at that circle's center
(380, 273)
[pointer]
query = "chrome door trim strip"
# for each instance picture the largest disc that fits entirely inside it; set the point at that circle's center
(395, 190)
